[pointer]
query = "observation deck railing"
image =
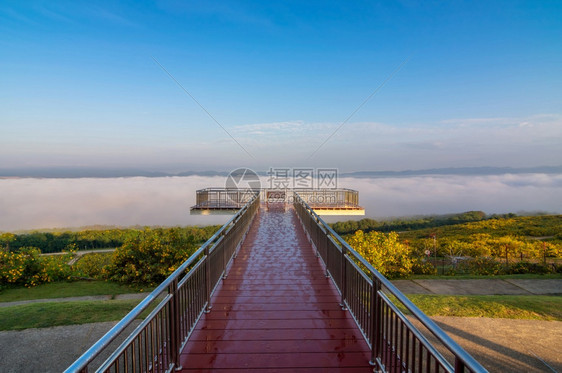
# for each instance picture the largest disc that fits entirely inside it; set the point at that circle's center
(396, 344)
(223, 198)
(235, 198)
(175, 306)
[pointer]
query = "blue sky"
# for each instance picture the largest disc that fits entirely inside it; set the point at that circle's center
(481, 85)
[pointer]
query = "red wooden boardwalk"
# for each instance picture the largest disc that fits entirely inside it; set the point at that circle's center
(276, 311)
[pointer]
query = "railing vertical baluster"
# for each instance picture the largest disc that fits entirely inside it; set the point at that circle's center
(401, 343)
(126, 361)
(146, 354)
(420, 355)
(152, 343)
(158, 347)
(317, 238)
(225, 246)
(343, 278)
(394, 339)
(407, 358)
(173, 323)
(375, 326)
(459, 365)
(162, 345)
(207, 280)
(387, 333)
(137, 365)
(327, 243)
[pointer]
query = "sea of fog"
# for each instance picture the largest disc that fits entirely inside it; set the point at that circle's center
(29, 203)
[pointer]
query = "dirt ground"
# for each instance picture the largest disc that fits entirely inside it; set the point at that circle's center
(506, 345)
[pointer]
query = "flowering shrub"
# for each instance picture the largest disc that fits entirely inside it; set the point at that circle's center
(27, 267)
(481, 266)
(423, 268)
(389, 256)
(150, 257)
(527, 267)
(93, 265)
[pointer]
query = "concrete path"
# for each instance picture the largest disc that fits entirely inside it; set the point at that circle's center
(76, 299)
(445, 287)
(481, 287)
(80, 254)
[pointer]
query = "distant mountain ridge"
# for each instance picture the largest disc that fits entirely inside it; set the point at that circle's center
(82, 172)
(458, 171)
(79, 172)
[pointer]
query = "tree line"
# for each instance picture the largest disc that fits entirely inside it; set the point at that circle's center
(90, 239)
(406, 224)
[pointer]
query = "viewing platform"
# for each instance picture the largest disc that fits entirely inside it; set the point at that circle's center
(324, 201)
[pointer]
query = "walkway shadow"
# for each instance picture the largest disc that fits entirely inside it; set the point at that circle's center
(496, 357)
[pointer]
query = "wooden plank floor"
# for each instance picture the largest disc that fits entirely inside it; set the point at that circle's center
(276, 311)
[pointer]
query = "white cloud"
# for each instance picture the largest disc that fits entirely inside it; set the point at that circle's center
(48, 203)
(383, 197)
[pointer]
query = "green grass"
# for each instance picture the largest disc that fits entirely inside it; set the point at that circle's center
(535, 307)
(43, 315)
(67, 289)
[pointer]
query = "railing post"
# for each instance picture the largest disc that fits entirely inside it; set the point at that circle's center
(317, 239)
(174, 324)
(225, 245)
(375, 319)
(327, 238)
(459, 365)
(343, 277)
(207, 280)
(235, 246)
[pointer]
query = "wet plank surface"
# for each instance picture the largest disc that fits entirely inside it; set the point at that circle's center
(276, 311)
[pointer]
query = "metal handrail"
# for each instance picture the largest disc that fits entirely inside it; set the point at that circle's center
(461, 356)
(80, 365)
